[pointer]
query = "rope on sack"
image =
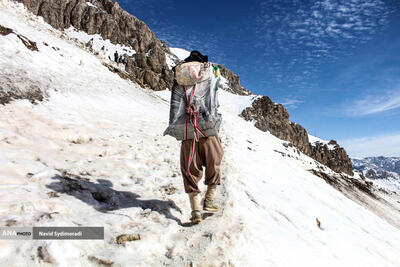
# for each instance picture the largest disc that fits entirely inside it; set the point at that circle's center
(191, 117)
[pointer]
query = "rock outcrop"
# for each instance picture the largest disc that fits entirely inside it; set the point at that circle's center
(233, 82)
(108, 19)
(333, 156)
(148, 66)
(274, 118)
(143, 68)
(102, 17)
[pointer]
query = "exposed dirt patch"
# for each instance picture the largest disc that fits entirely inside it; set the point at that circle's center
(33, 95)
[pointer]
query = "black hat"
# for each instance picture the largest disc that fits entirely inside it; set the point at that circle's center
(196, 56)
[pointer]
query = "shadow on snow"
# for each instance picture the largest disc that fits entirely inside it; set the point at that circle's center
(104, 198)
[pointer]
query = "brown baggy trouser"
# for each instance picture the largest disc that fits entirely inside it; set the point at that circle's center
(208, 153)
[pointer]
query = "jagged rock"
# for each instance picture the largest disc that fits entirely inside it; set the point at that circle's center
(150, 79)
(275, 119)
(103, 17)
(108, 19)
(336, 158)
(234, 82)
(140, 60)
(156, 59)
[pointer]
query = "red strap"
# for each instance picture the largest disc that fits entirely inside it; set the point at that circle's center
(192, 117)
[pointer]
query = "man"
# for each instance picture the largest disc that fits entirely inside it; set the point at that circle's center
(116, 56)
(195, 120)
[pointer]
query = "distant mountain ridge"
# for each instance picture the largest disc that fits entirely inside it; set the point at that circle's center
(378, 167)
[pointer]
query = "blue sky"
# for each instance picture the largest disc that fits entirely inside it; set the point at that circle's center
(335, 65)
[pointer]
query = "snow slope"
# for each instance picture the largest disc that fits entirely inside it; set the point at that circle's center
(105, 134)
(180, 53)
(99, 43)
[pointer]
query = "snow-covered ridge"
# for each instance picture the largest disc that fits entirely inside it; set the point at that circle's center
(313, 140)
(106, 134)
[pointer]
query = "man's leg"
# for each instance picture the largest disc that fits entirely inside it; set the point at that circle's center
(191, 180)
(211, 152)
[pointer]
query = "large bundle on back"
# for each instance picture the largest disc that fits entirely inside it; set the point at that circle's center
(194, 103)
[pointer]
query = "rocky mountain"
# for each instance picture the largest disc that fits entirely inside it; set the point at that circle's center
(332, 155)
(274, 118)
(149, 67)
(233, 82)
(378, 167)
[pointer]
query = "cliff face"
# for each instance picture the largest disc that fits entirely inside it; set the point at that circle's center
(102, 17)
(108, 19)
(275, 119)
(335, 158)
